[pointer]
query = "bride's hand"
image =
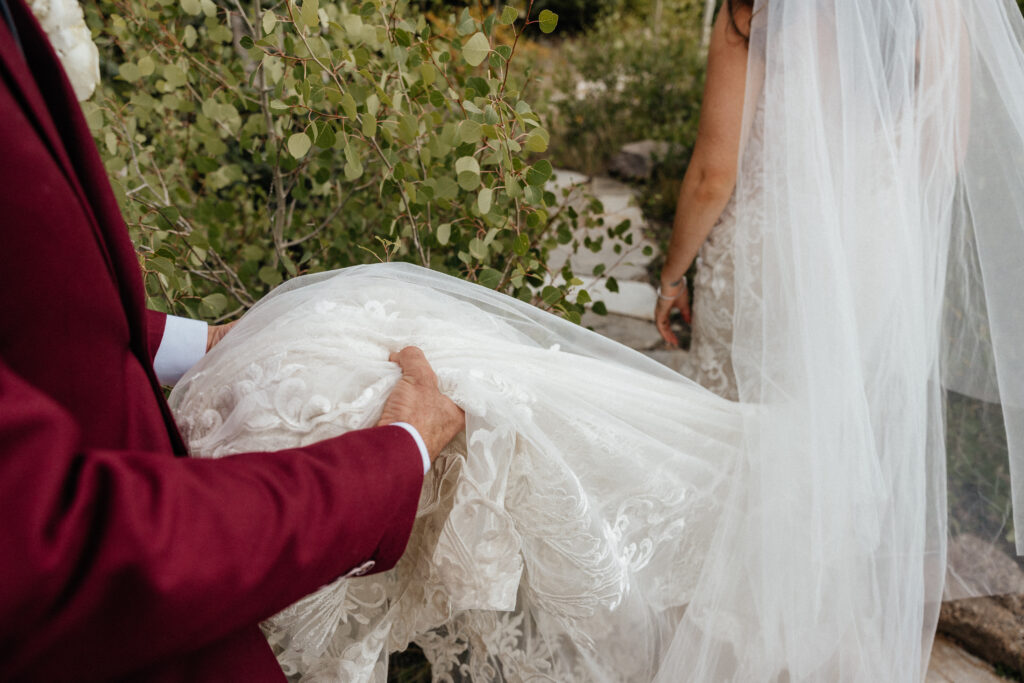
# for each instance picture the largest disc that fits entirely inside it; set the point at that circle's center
(416, 400)
(664, 307)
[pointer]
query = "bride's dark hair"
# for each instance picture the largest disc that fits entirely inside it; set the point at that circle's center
(730, 7)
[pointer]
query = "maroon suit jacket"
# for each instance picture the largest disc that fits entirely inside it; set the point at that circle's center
(119, 560)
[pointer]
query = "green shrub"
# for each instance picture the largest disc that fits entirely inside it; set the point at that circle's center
(573, 15)
(638, 81)
(249, 143)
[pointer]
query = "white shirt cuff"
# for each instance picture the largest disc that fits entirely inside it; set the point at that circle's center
(181, 347)
(419, 442)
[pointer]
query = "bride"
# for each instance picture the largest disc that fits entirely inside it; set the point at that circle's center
(604, 519)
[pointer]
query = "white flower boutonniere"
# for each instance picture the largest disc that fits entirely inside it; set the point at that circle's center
(64, 24)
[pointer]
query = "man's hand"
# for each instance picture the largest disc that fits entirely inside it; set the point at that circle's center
(417, 401)
(662, 310)
(215, 333)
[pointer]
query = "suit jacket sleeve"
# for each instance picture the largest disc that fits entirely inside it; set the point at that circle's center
(155, 323)
(120, 558)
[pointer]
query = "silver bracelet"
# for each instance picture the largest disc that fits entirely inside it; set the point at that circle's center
(680, 281)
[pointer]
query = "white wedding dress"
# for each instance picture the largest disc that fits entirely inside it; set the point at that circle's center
(607, 520)
(575, 510)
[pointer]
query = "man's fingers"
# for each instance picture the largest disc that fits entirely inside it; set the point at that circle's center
(414, 365)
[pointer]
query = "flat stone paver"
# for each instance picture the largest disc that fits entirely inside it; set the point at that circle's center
(619, 201)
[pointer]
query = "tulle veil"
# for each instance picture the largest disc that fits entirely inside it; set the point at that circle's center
(880, 264)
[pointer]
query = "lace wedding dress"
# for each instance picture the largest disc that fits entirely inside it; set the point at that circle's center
(576, 509)
(709, 360)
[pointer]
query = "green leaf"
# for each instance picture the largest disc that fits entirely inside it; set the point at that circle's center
(252, 252)
(348, 103)
(509, 14)
(599, 308)
(512, 187)
(213, 305)
(551, 295)
(408, 128)
(129, 72)
(299, 144)
(484, 200)
(246, 42)
(270, 275)
(369, 125)
(467, 171)
(146, 66)
(191, 6)
(582, 298)
(353, 165)
(466, 23)
(161, 265)
(489, 277)
(445, 188)
(467, 165)
(470, 131)
(521, 244)
(288, 264)
(353, 171)
(309, 14)
(428, 73)
(537, 140)
(478, 249)
(174, 76)
(444, 233)
(476, 49)
(539, 173)
(532, 195)
(326, 138)
(611, 284)
(269, 21)
(93, 116)
(548, 21)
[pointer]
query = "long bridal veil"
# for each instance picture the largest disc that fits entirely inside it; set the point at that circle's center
(880, 266)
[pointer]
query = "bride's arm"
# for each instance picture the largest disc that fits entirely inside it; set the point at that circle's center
(711, 174)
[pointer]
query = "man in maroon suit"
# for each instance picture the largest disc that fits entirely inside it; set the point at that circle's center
(119, 560)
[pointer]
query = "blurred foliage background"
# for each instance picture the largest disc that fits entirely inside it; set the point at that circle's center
(249, 143)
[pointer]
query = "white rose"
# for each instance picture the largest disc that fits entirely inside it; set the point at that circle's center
(64, 24)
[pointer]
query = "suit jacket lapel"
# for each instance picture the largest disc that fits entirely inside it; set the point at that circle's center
(22, 80)
(73, 149)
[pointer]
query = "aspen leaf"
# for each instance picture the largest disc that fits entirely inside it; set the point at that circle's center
(299, 144)
(476, 49)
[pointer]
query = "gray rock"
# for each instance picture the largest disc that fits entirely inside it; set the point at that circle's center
(977, 567)
(951, 664)
(991, 628)
(637, 160)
